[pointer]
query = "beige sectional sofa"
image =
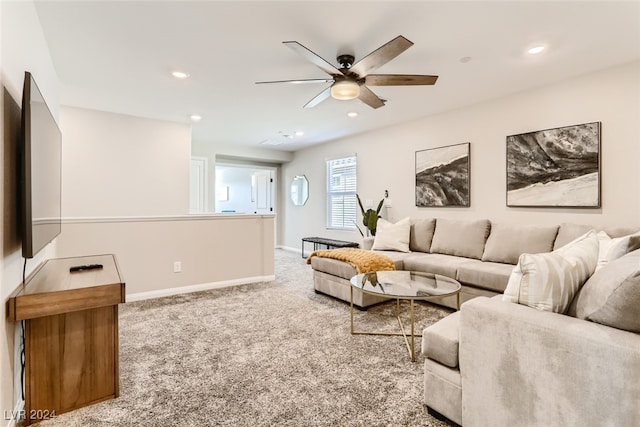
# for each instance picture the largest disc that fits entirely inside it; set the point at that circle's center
(499, 363)
(496, 363)
(480, 254)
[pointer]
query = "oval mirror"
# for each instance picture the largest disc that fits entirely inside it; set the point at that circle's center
(299, 190)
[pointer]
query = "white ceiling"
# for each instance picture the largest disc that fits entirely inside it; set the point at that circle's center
(117, 56)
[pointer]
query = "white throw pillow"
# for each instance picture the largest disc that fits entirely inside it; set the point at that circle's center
(549, 281)
(612, 249)
(392, 237)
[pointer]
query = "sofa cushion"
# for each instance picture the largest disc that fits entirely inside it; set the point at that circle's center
(568, 232)
(507, 242)
(620, 231)
(440, 341)
(460, 238)
(421, 234)
(493, 276)
(392, 237)
(549, 281)
(397, 257)
(612, 295)
(613, 248)
(334, 267)
(445, 265)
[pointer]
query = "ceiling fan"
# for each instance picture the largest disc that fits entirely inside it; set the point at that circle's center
(351, 80)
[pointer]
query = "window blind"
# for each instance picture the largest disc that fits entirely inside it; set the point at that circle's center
(341, 193)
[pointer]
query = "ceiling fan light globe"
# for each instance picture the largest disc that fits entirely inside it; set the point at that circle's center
(345, 90)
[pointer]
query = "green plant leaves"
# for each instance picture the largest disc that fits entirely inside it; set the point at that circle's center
(370, 217)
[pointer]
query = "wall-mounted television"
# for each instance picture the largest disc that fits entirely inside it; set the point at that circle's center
(41, 171)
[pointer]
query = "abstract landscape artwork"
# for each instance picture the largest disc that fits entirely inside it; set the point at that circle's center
(442, 176)
(555, 167)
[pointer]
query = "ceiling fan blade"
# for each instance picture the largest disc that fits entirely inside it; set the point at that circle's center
(368, 97)
(313, 58)
(318, 98)
(298, 82)
(399, 80)
(381, 56)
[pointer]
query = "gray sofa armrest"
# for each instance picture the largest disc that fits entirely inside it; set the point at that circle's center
(524, 367)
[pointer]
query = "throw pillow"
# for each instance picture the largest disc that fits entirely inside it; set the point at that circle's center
(612, 295)
(507, 242)
(549, 281)
(392, 237)
(612, 249)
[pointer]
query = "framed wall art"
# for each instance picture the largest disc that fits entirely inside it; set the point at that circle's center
(442, 176)
(555, 167)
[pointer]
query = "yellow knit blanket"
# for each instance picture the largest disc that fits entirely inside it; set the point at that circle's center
(362, 260)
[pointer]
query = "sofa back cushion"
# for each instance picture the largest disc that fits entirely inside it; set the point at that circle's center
(421, 234)
(568, 232)
(460, 238)
(507, 242)
(612, 295)
(616, 247)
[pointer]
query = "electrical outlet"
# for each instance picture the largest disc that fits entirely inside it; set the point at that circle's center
(177, 267)
(388, 203)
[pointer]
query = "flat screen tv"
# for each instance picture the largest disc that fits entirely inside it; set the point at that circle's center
(41, 171)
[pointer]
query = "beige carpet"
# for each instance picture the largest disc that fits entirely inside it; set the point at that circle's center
(268, 354)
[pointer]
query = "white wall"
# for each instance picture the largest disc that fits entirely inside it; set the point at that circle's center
(117, 165)
(386, 158)
(22, 48)
(214, 250)
(126, 192)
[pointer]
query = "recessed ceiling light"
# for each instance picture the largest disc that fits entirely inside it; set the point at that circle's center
(299, 133)
(352, 114)
(195, 117)
(179, 74)
(536, 50)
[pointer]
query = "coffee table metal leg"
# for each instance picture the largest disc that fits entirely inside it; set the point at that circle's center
(402, 333)
(413, 348)
(351, 300)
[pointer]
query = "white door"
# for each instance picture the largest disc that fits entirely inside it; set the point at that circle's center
(198, 185)
(262, 192)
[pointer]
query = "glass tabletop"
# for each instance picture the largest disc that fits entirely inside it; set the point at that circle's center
(405, 284)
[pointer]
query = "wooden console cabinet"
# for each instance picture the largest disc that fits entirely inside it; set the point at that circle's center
(71, 334)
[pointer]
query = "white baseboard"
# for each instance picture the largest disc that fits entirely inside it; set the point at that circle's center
(15, 416)
(139, 296)
(296, 250)
(288, 248)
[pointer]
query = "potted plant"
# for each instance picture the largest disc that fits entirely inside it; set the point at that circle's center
(369, 217)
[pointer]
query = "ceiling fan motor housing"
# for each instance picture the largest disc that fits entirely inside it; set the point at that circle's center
(345, 61)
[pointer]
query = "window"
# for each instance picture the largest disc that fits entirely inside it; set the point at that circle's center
(341, 193)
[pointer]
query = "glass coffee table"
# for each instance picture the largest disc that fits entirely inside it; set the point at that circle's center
(403, 285)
